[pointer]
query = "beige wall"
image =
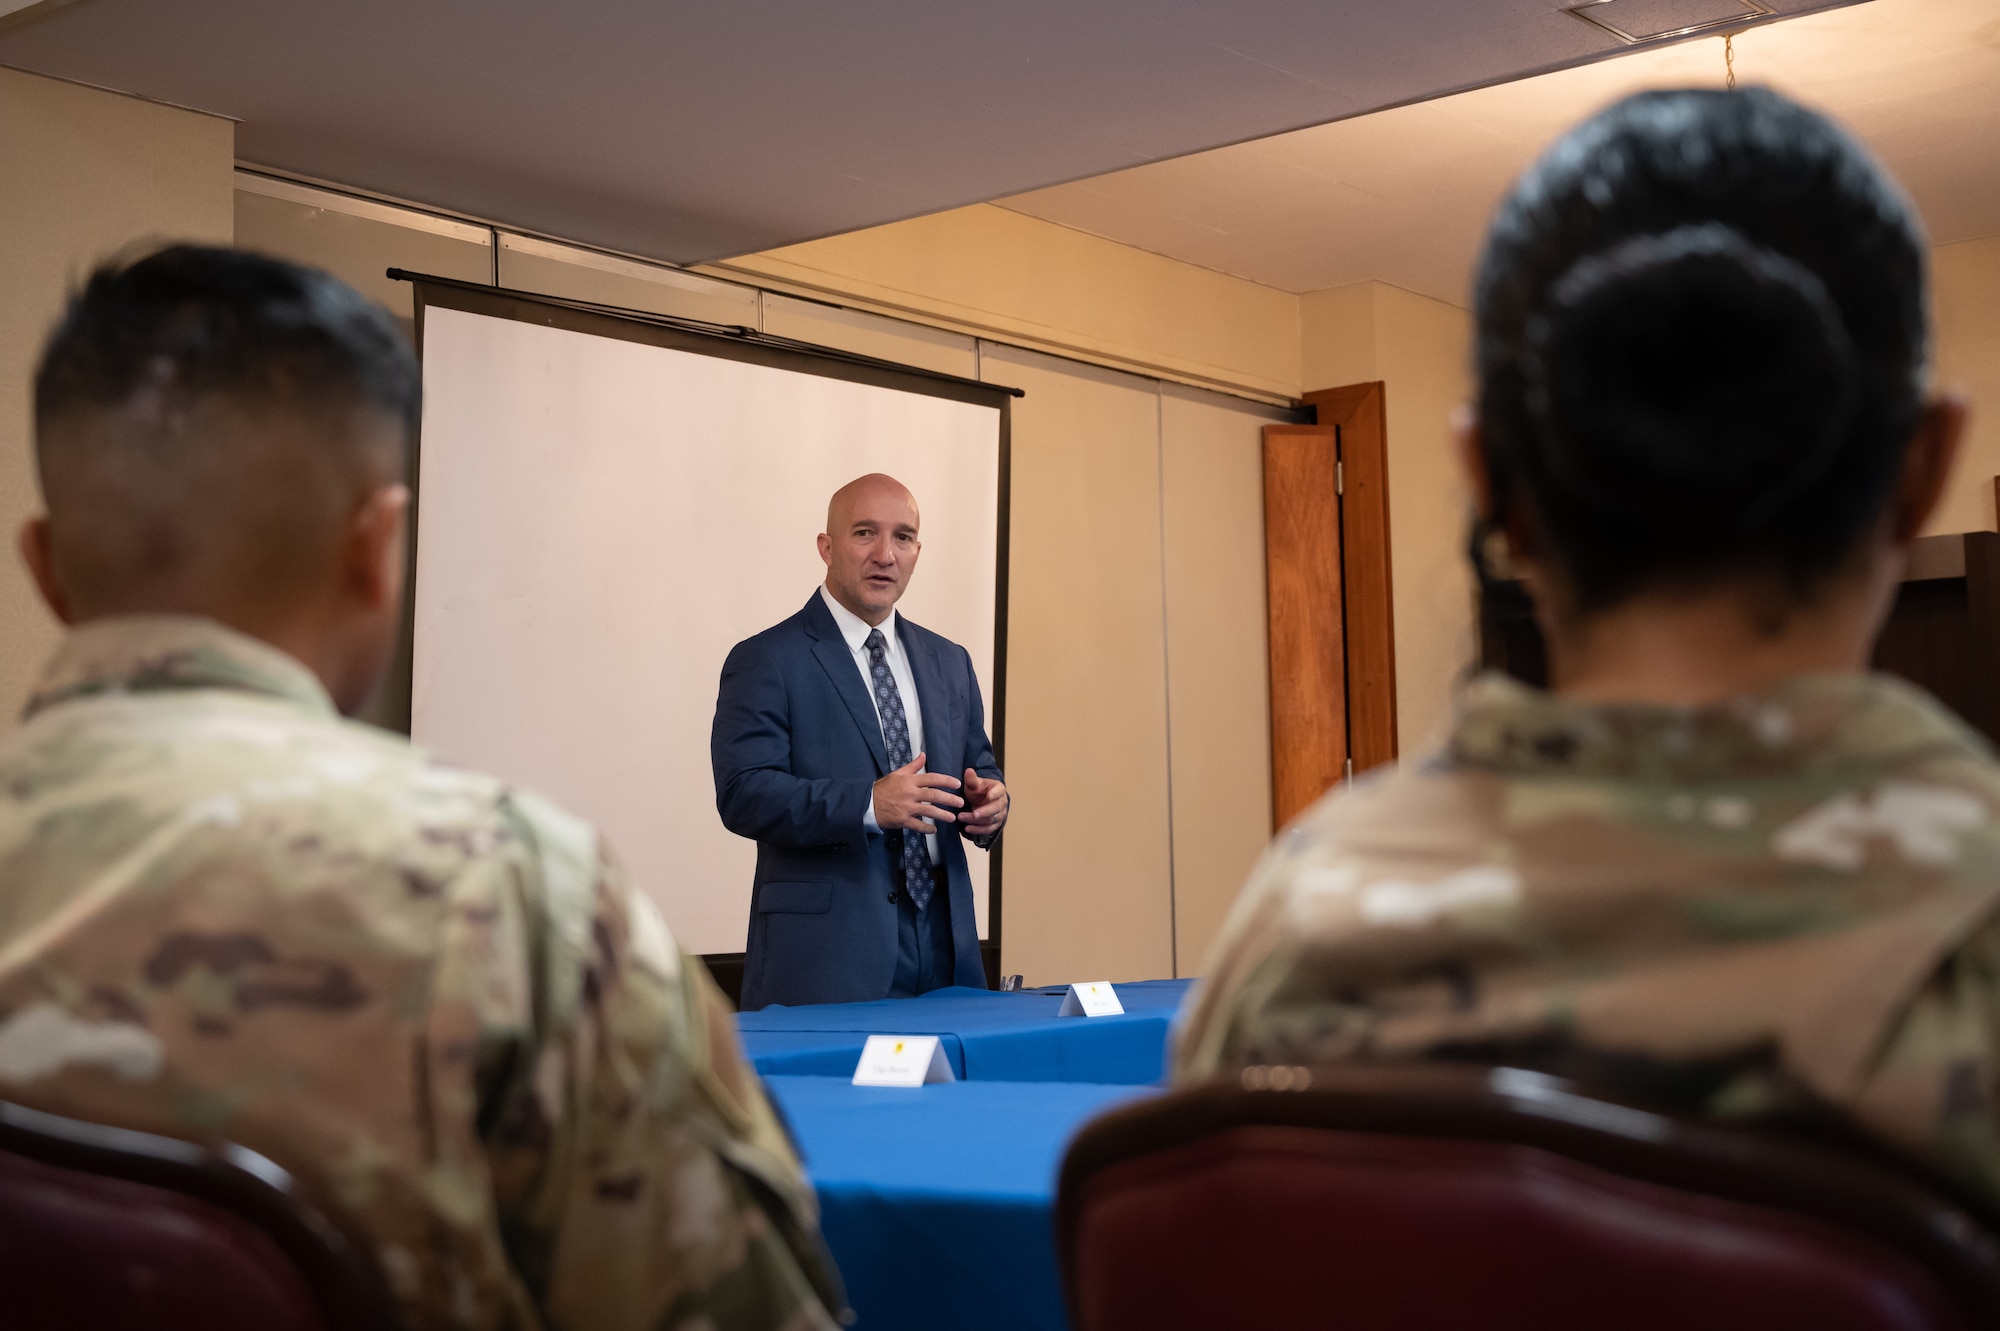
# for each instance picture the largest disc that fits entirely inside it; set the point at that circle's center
(1965, 281)
(358, 240)
(527, 264)
(1217, 660)
(83, 175)
(1138, 710)
(988, 271)
(1421, 349)
(1089, 861)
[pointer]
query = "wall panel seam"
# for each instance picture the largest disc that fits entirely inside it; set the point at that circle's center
(1167, 679)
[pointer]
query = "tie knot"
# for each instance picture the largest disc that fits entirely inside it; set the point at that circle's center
(876, 643)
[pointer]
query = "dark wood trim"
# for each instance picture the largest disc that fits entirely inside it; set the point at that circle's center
(1982, 604)
(1360, 411)
(1942, 632)
(726, 969)
(997, 723)
(389, 705)
(1302, 570)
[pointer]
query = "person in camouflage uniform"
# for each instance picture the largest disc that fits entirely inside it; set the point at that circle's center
(226, 914)
(1720, 869)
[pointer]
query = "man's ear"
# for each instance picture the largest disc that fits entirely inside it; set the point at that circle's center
(39, 555)
(1927, 464)
(372, 555)
(826, 549)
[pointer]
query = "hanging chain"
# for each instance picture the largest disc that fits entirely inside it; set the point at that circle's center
(1729, 59)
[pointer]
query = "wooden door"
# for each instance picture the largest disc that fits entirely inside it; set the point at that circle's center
(1302, 569)
(1360, 413)
(1333, 632)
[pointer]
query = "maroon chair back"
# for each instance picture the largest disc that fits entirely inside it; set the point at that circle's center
(101, 1227)
(1429, 1198)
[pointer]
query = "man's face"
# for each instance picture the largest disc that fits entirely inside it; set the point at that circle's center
(871, 548)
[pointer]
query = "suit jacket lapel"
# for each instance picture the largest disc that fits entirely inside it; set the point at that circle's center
(831, 651)
(929, 676)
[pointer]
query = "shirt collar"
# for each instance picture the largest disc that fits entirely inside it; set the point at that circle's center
(1505, 726)
(136, 654)
(853, 627)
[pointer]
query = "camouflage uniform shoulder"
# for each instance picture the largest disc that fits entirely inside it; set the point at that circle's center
(1569, 864)
(432, 997)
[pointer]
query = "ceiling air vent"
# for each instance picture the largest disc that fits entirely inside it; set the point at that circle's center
(1656, 20)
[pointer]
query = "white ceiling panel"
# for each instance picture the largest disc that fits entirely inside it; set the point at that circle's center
(1403, 195)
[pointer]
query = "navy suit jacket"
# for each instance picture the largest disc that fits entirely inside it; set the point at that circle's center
(797, 749)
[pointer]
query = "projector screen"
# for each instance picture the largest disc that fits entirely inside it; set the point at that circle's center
(606, 507)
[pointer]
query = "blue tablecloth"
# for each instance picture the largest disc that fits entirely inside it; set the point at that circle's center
(988, 1036)
(937, 1201)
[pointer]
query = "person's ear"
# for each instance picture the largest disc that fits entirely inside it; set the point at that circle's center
(1479, 480)
(826, 549)
(372, 558)
(1513, 526)
(1472, 461)
(1927, 464)
(39, 555)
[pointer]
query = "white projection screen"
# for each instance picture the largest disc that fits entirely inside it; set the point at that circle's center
(606, 506)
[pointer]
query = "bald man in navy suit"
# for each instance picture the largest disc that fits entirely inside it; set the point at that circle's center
(850, 745)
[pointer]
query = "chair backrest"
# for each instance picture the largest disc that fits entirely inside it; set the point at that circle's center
(103, 1227)
(1375, 1199)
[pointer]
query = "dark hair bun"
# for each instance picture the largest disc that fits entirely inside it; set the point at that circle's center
(1685, 388)
(1702, 343)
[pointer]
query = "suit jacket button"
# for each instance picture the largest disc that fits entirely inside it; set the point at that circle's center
(892, 898)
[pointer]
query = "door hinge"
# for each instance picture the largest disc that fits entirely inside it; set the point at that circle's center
(1339, 477)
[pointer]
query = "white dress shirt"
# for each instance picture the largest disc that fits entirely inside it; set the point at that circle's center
(856, 630)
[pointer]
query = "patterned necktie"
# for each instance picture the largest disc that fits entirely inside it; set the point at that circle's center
(896, 739)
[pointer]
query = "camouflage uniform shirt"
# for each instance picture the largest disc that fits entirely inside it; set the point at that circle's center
(226, 914)
(1783, 904)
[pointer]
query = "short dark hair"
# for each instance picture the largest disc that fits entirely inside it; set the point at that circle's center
(196, 320)
(1702, 338)
(206, 419)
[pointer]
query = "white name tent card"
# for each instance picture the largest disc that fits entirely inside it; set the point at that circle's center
(903, 1060)
(1093, 998)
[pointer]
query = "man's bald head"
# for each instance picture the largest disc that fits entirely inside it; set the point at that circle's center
(865, 489)
(870, 544)
(206, 421)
